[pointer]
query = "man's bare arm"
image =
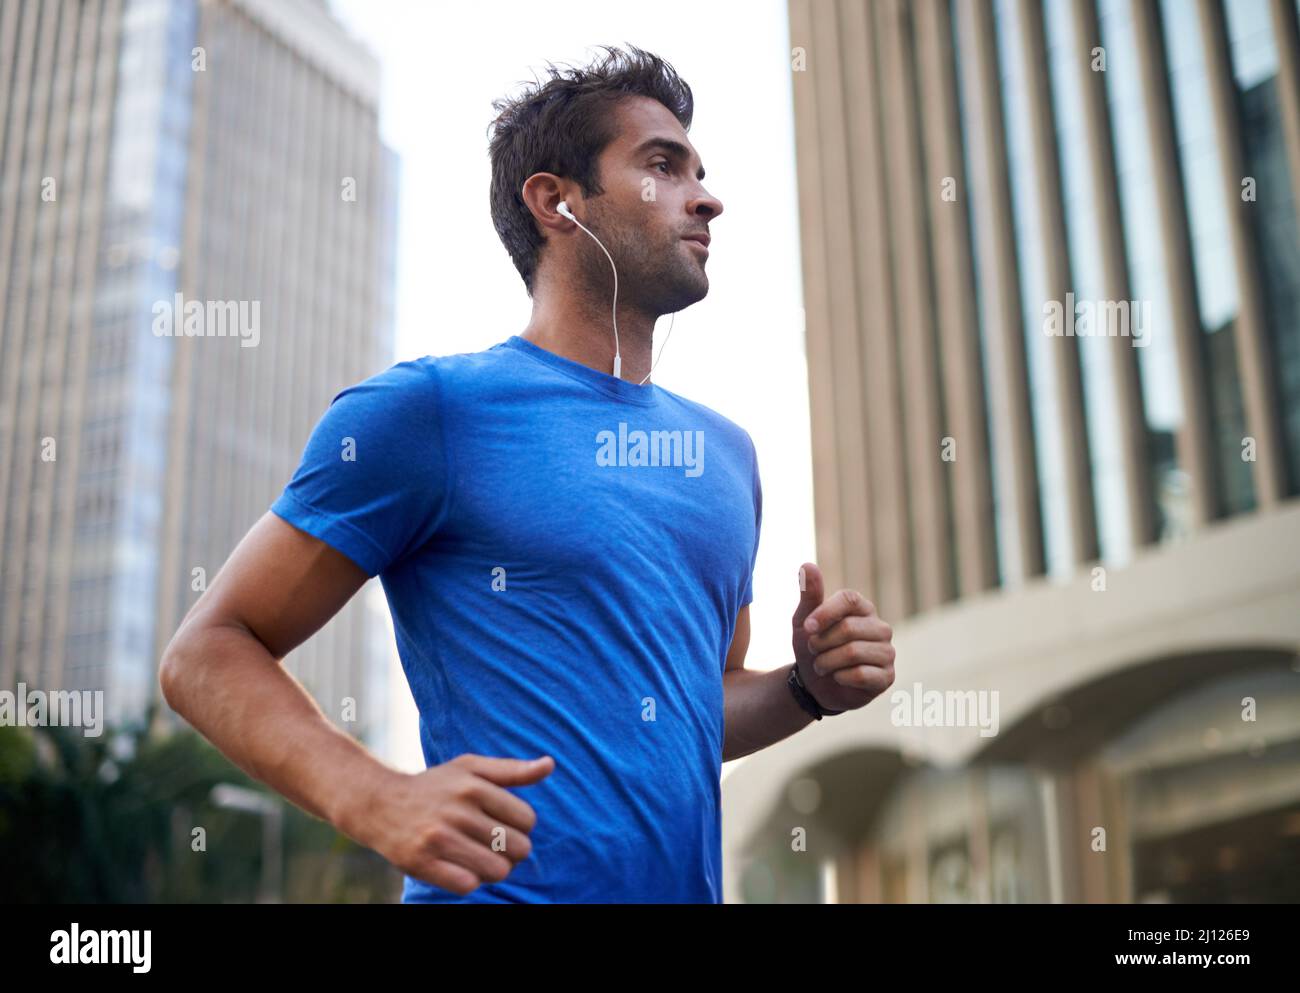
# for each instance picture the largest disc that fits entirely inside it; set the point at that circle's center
(845, 657)
(221, 672)
(758, 708)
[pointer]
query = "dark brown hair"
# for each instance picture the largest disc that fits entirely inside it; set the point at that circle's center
(561, 126)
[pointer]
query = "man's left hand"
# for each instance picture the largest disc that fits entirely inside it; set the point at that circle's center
(842, 647)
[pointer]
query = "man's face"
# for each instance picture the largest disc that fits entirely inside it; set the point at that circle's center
(653, 202)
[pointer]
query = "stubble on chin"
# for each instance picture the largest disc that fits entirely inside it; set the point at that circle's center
(659, 279)
(679, 279)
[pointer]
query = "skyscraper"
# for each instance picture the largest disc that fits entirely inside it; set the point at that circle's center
(197, 231)
(1051, 255)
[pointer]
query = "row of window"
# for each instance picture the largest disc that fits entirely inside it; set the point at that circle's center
(1149, 261)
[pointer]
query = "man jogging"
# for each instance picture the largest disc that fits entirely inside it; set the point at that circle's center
(567, 551)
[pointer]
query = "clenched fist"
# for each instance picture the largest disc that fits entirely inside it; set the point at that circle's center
(841, 646)
(455, 825)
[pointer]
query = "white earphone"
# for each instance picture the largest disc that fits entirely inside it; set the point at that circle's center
(563, 209)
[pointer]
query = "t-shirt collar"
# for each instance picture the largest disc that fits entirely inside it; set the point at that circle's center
(619, 389)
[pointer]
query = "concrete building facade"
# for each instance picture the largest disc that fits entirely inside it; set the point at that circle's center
(1052, 283)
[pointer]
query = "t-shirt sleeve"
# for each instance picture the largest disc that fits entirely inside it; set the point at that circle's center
(747, 595)
(373, 481)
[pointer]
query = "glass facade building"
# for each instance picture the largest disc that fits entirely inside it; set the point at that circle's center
(154, 153)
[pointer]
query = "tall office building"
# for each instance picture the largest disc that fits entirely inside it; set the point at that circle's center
(1052, 279)
(197, 231)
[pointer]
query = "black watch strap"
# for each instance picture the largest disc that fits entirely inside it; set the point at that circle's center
(806, 699)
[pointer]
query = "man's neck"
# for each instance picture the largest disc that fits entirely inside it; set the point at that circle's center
(588, 337)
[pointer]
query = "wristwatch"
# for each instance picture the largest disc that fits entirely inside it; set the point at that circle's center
(806, 700)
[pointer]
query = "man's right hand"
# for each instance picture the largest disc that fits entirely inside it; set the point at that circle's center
(455, 825)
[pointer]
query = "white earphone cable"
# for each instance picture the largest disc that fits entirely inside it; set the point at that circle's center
(618, 358)
(661, 348)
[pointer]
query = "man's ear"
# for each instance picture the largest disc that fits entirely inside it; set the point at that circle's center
(542, 194)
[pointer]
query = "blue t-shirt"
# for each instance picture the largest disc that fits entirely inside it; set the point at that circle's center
(564, 555)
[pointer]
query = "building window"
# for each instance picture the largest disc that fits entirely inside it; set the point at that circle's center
(1217, 292)
(1162, 400)
(976, 224)
(1044, 392)
(1101, 403)
(1252, 49)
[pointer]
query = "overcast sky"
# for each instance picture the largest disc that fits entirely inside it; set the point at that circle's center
(740, 350)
